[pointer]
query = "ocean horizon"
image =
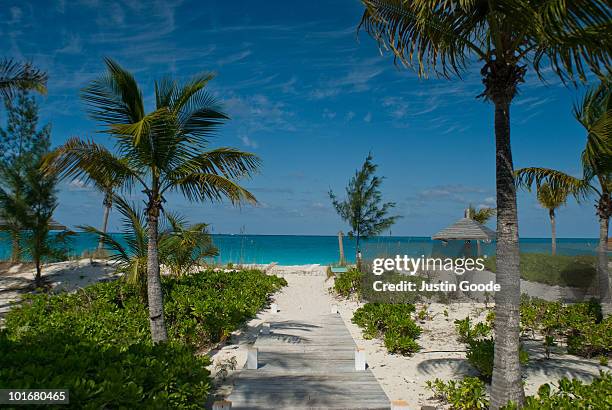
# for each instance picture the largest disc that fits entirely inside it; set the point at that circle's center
(323, 249)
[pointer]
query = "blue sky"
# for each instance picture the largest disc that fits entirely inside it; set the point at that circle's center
(311, 98)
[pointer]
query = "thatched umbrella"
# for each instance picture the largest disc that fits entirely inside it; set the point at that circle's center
(466, 229)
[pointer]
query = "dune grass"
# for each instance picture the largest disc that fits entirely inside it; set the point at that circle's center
(562, 270)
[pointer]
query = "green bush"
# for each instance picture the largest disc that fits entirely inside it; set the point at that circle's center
(562, 270)
(348, 283)
(96, 342)
(470, 394)
(206, 308)
(580, 325)
(572, 394)
(467, 394)
(481, 345)
(390, 322)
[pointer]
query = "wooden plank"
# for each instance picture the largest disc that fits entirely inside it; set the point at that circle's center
(307, 366)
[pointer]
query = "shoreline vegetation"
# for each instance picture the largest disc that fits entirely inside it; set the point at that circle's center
(95, 341)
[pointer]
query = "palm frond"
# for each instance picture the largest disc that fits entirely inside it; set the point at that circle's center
(91, 162)
(211, 187)
(118, 252)
(550, 198)
(114, 98)
(434, 36)
(556, 180)
(573, 36)
(14, 76)
(225, 161)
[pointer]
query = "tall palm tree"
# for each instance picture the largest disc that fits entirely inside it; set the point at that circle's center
(507, 37)
(552, 199)
(160, 152)
(14, 76)
(594, 113)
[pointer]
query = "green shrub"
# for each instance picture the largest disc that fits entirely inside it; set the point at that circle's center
(348, 283)
(207, 307)
(467, 394)
(390, 322)
(481, 345)
(580, 325)
(562, 270)
(468, 332)
(572, 394)
(96, 342)
(591, 340)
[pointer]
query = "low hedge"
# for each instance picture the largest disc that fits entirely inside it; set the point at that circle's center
(581, 325)
(562, 270)
(96, 342)
(470, 393)
(390, 322)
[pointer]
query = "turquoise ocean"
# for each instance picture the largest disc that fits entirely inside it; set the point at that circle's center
(299, 250)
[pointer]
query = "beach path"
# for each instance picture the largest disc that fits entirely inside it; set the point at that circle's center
(307, 359)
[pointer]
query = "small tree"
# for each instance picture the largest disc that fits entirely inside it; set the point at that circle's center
(363, 209)
(552, 199)
(39, 203)
(21, 144)
(482, 215)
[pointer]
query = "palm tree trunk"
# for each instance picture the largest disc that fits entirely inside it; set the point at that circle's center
(154, 289)
(107, 208)
(605, 295)
(15, 246)
(357, 260)
(506, 384)
(38, 277)
(553, 231)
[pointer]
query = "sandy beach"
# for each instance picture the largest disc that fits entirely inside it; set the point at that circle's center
(60, 276)
(309, 294)
(401, 377)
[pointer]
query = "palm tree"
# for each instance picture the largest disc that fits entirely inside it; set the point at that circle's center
(481, 215)
(107, 186)
(160, 152)
(181, 247)
(593, 112)
(506, 37)
(552, 199)
(14, 76)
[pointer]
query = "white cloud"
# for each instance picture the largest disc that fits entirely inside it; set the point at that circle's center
(368, 117)
(234, 58)
(328, 115)
(349, 116)
(248, 142)
(78, 185)
(72, 45)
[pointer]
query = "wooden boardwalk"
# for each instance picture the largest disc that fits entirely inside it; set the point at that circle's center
(307, 365)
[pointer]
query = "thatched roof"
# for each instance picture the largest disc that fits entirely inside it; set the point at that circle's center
(465, 229)
(53, 225)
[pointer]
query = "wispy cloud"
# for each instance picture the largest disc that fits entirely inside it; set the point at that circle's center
(328, 114)
(234, 58)
(72, 45)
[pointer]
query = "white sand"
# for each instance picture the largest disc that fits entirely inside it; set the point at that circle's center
(60, 276)
(401, 377)
(308, 295)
